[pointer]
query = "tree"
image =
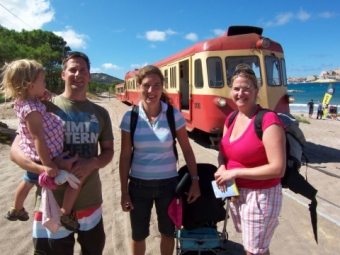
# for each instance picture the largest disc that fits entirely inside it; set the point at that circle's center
(43, 46)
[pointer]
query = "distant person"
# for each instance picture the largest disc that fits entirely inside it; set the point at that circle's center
(311, 108)
(320, 111)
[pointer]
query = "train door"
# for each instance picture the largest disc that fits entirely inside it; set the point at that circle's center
(184, 84)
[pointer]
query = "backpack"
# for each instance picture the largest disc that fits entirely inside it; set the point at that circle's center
(171, 121)
(292, 178)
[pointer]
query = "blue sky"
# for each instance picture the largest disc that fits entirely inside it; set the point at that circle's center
(122, 35)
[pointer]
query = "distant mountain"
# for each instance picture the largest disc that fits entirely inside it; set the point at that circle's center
(104, 78)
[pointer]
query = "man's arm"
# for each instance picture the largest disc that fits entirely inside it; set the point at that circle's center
(18, 157)
(84, 167)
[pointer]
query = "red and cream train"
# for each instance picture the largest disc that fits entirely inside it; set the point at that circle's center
(198, 78)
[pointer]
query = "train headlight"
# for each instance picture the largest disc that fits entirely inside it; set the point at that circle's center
(221, 102)
(263, 43)
(291, 99)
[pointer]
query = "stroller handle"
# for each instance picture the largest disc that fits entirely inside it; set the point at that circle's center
(181, 184)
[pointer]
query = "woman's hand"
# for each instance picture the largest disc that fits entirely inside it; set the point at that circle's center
(219, 171)
(222, 177)
(194, 192)
(125, 202)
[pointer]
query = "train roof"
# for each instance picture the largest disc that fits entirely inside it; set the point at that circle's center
(235, 38)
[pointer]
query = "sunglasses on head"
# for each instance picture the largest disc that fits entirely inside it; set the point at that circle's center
(245, 70)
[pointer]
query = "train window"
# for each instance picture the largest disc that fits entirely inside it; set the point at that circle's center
(284, 72)
(198, 74)
(273, 71)
(215, 77)
(166, 78)
(173, 77)
(252, 61)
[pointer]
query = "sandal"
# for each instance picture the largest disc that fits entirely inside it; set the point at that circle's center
(69, 222)
(15, 214)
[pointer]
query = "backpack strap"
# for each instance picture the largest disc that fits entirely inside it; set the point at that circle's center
(232, 117)
(258, 122)
(171, 121)
(133, 121)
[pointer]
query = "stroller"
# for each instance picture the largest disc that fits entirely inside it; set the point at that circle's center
(198, 233)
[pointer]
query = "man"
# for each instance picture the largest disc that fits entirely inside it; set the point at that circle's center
(310, 108)
(320, 111)
(85, 126)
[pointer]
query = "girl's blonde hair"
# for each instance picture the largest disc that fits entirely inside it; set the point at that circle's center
(17, 75)
(150, 69)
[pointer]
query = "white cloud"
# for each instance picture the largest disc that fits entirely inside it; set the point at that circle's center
(303, 15)
(152, 46)
(191, 37)
(327, 15)
(110, 66)
(284, 18)
(73, 39)
(170, 32)
(219, 32)
(25, 14)
(155, 35)
(96, 70)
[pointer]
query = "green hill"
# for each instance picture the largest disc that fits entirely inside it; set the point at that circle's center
(104, 78)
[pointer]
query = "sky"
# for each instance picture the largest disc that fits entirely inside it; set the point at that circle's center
(119, 36)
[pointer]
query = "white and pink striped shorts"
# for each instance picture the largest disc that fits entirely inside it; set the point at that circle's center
(255, 213)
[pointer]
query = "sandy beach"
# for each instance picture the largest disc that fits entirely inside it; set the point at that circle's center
(293, 236)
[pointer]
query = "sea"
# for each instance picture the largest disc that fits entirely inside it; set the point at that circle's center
(308, 91)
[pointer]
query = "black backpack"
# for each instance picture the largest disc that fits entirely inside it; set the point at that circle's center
(292, 178)
(171, 121)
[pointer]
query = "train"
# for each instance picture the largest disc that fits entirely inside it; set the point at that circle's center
(198, 78)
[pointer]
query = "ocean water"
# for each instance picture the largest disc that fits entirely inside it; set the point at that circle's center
(315, 91)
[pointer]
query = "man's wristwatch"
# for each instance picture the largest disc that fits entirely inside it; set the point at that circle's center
(195, 178)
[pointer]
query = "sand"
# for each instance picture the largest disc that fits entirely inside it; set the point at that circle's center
(293, 236)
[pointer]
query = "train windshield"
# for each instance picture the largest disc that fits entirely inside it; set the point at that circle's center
(252, 61)
(273, 71)
(215, 72)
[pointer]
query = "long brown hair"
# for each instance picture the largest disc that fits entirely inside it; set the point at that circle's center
(150, 69)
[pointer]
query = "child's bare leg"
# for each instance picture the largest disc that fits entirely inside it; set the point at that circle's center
(21, 194)
(18, 212)
(67, 219)
(70, 197)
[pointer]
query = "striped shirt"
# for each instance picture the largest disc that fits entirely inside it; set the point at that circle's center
(153, 155)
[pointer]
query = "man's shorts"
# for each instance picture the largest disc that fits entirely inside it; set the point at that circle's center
(143, 194)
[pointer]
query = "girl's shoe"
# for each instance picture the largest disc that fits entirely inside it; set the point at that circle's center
(69, 222)
(15, 214)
